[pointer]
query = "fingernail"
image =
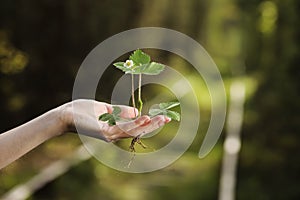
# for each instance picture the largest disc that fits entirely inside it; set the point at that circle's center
(167, 119)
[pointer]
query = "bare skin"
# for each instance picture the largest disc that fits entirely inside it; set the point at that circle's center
(18, 141)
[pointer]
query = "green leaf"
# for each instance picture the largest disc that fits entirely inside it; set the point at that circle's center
(105, 117)
(139, 57)
(111, 122)
(155, 111)
(111, 119)
(168, 105)
(173, 115)
(120, 65)
(116, 110)
(152, 68)
(163, 109)
(142, 65)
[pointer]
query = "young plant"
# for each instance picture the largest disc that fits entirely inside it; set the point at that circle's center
(138, 64)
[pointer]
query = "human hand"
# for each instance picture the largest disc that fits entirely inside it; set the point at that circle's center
(82, 116)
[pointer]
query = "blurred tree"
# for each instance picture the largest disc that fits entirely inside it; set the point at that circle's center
(268, 167)
(49, 39)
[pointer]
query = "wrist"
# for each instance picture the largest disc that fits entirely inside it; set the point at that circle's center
(65, 117)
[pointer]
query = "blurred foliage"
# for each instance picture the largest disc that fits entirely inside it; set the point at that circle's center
(43, 42)
(12, 60)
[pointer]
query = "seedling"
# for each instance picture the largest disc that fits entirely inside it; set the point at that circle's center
(138, 64)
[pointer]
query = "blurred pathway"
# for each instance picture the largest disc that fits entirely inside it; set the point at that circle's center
(48, 174)
(232, 143)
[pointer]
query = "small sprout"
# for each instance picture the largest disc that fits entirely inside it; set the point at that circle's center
(140, 63)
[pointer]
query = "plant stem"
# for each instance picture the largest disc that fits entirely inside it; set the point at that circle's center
(132, 94)
(140, 95)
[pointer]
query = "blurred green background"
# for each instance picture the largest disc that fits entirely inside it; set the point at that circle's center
(43, 42)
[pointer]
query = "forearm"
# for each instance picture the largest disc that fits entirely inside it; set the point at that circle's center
(20, 140)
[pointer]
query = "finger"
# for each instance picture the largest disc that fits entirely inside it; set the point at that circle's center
(119, 131)
(127, 126)
(101, 107)
(141, 128)
(128, 112)
(155, 123)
